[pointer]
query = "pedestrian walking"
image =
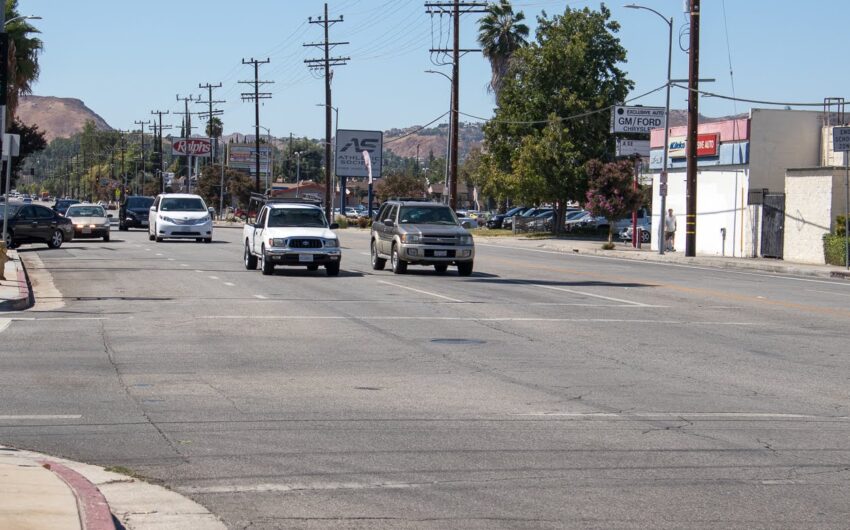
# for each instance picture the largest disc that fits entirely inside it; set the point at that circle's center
(669, 230)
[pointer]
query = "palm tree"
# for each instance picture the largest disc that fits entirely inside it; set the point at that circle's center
(23, 57)
(215, 127)
(500, 34)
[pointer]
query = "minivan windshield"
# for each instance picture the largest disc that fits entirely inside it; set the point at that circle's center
(139, 202)
(432, 215)
(182, 204)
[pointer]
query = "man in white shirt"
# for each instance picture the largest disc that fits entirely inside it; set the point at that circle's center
(669, 230)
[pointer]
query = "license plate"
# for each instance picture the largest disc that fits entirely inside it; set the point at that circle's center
(87, 230)
(305, 258)
(440, 253)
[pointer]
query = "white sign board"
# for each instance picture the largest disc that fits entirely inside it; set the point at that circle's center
(632, 147)
(841, 139)
(349, 152)
(636, 119)
(11, 144)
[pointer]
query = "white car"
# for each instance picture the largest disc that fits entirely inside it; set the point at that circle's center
(180, 216)
(90, 220)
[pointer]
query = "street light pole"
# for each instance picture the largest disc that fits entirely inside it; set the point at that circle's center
(662, 188)
(298, 173)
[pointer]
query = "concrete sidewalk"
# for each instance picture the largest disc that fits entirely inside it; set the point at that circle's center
(15, 293)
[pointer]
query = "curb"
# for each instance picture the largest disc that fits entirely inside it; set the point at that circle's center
(24, 298)
(93, 508)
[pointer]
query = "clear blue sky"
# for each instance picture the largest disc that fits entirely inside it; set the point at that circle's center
(125, 58)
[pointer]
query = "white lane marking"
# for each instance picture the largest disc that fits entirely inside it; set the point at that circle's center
(158, 254)
(32, 319)
(260, 488)
(229, 284)
(213, 277)
(366, 254)
(4, 323)
(183, 265)
(681, 415)
(261, 297)
(147, 250)
(420, 291)
(42, 417)
(199, 271)
(610, 299)
(170, 259)
(777, 275)
(475, 319)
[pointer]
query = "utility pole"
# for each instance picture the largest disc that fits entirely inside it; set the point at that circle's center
(142, 153)
(160, 155)
(187, 120)
(693, 126)
(256, 97)
(211, 113)
(123, 149)
(454, 9)
(326, 63)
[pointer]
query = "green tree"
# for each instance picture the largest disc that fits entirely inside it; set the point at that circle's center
(398, 184)
(23, 57)
(32, 141)
(558, 91)
(611, 193)
(238, 186)
(214, 127)
(501, 32)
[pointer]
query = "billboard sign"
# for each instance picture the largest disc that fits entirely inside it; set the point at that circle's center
(636, 119)
(242, 156)
(841, 139)
(632, 147)
(707, 145)
(191, 147)
(350, 145)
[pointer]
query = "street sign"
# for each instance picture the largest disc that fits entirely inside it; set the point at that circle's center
(11, 144)
(632, 147)
(636, 119)
(662, 190)
(349, 152)
(841, 139)
(191, 147)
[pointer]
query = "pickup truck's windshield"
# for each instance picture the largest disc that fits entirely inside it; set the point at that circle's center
(431, 215)
(307, 217)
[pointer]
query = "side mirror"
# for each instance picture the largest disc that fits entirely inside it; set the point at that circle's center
(334, 226)
(389, 222)
(153, 208)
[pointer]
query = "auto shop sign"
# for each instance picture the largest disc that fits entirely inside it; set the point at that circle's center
(192, 147)
(350, 145)
(636, 119)
(707, 145)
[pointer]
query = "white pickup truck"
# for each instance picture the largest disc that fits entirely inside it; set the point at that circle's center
(291, 232)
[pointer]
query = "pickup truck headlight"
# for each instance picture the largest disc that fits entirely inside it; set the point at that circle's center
(331, 243)
(466, 240)
(411, 238)
(277, 242)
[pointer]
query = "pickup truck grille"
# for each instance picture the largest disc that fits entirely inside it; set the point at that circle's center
(305, 243)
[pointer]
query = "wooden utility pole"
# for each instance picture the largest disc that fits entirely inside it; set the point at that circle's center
(454, 9)
(326, 63)
(256, 97)
(160, 155)
(693, 126)
(142, 153)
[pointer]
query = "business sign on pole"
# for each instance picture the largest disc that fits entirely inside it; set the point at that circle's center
(350, 145)
(707, 145)
(636, 119)
(11, 145)
(191, 147)
(243, 156)
(841, 139)
(632, 147)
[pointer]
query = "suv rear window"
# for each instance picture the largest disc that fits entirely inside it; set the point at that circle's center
(433, 215)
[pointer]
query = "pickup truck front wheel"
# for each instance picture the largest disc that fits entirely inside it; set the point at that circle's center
(332, 268)
(250, 259)
(266, 265)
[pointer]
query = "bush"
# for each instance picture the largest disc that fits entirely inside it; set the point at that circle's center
(839, 225)
(364, 222)
(608, 246)
(835, 248)
(342, 221)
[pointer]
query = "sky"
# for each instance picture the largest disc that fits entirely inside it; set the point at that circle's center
(125, 58)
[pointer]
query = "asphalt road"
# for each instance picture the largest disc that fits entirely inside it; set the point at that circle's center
(545, 391)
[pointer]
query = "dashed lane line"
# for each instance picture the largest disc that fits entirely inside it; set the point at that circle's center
(582, 293)
(420, 291)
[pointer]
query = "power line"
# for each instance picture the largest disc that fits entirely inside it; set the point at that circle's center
(256, 96)
(211, 113)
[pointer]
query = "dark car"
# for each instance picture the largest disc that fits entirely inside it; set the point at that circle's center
(134, 211)
(61, 205)
(497, 220)
(31, 223)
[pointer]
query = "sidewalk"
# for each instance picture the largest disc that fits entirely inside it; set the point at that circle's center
(14, 290)
(42, 492)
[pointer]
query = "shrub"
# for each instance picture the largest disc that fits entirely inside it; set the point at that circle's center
(608, 246)
(835, 248)
(342, 221)
(364, 222)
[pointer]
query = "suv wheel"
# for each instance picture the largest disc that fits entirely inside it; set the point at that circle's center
(399, 265)
(56, 239)
(464, 268)
(250, 259)
(377, 261)
(441, 268)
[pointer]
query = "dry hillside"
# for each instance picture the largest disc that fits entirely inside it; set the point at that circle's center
(57, 117)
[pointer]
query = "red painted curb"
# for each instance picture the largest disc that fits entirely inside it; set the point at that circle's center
(94, 510)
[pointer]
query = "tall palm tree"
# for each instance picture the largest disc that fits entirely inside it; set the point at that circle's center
(23, 57)
(501, 32)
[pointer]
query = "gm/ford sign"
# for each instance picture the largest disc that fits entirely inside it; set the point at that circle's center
(636, 119)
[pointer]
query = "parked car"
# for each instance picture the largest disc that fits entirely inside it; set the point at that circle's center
(32, 223)
(645, 233)
(61, 205)
(180, 216)
(90, 220)
(580, 219)
(497, 220)
(134, 211)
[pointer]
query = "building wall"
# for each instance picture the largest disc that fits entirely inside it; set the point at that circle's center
(782, 139)
(718, 206)
(812, 200)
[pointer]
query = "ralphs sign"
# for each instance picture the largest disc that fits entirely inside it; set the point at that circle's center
(191, 147)
(349, 152)
(636, 119)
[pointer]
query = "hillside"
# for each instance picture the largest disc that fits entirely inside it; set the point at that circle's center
(57, 117)
(404, 142)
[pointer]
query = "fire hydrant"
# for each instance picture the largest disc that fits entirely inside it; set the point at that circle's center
(4, 257)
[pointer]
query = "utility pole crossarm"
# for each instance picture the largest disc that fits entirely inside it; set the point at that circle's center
(256, 96)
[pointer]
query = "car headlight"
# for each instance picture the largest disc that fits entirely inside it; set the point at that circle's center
(466, 239)
(167, 219)
(331, 243)
(203, 220)
(410, 238)
(277, 242)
